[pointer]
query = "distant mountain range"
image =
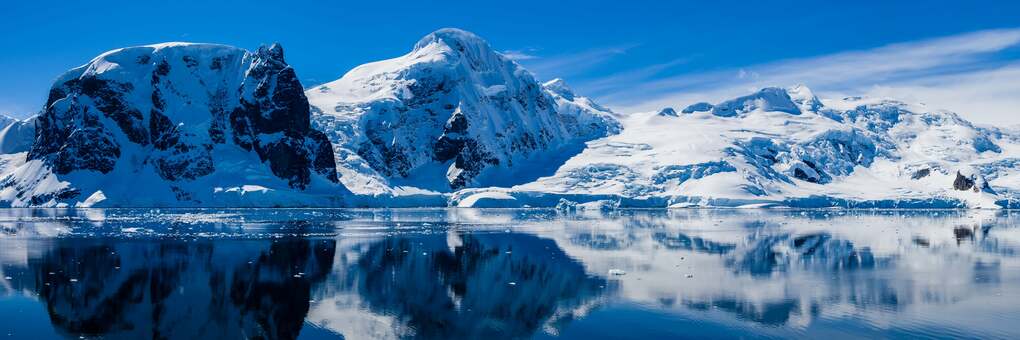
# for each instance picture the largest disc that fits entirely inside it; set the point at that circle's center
(455, 123)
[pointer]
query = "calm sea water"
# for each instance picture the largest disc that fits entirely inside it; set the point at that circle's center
(491, 274)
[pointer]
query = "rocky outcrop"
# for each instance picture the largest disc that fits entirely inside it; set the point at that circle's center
(667, 112)
(698, 107)
(962, 182)
(920, 173)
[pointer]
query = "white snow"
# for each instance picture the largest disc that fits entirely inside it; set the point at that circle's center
(853, 152)
(538, 145)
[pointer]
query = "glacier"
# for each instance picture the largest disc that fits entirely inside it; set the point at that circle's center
(455, 123)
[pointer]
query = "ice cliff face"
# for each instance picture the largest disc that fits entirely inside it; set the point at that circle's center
(172, 116)
(450, 114)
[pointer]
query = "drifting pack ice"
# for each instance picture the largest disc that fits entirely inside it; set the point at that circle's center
(455, 123)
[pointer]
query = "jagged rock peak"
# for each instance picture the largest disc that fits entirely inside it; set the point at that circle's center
(274, 51)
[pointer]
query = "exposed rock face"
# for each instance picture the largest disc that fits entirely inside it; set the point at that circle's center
(667, 112)
(698, 107)
(279, 106)
(168, 106)
(921, 173)
(453, 108)
(962, 182)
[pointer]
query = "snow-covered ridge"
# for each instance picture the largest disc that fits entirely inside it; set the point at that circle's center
(452, 113)
(784, 147)
(16, 135)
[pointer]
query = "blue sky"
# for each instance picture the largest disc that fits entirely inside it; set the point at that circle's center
(631, 55)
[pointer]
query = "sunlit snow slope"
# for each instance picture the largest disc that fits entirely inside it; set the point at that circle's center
(784, 147)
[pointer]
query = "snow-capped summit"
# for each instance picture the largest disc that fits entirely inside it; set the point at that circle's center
(804, 98)
(171, 124)
(792, 101)
(768, 99)
(458, 41)
(452, 113)
(560, 87)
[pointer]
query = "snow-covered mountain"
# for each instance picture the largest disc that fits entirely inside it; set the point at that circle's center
(173, 124)
(784, 147)
(454, 122)
(450, 114)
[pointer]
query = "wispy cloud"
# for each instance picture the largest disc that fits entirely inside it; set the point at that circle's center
(518, 55)
(947, 72)
(566, 65)
(990, 96)
(613, 82)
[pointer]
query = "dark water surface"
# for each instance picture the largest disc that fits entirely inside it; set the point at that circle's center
(491, 274)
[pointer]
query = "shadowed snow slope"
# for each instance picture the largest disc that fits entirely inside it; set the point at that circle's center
(174, 124)
(785, 147)
(450, 114)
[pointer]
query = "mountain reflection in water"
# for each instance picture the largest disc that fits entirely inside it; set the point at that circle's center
(448, 274)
